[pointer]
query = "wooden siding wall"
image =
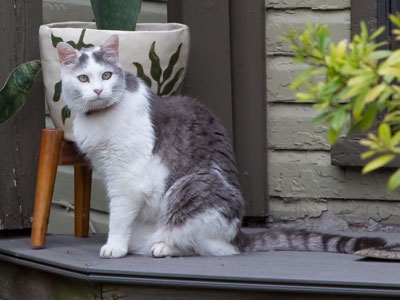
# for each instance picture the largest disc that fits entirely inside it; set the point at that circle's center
(303, 183)
(19, 23)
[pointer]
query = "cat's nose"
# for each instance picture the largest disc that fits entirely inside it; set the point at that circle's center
(98, 91)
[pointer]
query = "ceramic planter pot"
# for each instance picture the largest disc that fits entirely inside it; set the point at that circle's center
(157, 53)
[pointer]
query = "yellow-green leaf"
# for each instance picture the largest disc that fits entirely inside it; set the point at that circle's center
(368, 154)
(358, 106)
(305, 97)
(374, 92)
(396, 139)
(357, 80)
(341, 49)
(394, 180)
(378, 163)
(301, 78)
(379, 54)
(395, 19)
(339, 118)
(389, 71)
(385, 134)
(377, 32)
(332, 136)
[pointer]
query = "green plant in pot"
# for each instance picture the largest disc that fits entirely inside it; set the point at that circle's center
(350, 84)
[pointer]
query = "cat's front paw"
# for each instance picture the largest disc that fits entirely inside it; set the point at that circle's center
(113, 251)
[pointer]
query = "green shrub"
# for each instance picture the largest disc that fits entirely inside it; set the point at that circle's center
(350, 83)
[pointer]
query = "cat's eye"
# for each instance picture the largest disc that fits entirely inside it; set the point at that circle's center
(106, 75)
(83, 78)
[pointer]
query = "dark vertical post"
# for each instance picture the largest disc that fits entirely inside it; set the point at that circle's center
(209, 72)
(249, 96)
(366, 11)
(20, 136)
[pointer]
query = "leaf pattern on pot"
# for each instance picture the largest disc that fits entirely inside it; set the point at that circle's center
(172, 62)
(155, 69)
(16, 89)
(178, 90)
(170, 85)
(57, 91)
(66, 113)
(141, 75)
(78, 46)
(55, 40)
(164, 87)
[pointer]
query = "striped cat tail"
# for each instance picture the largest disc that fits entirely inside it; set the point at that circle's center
(291, 239)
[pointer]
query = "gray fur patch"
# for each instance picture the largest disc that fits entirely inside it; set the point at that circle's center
(191, 143)
(292, 239)
(98, 57)
(83, 60)
(131, 82)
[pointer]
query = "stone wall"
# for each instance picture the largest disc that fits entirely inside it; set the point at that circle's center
(303, 185)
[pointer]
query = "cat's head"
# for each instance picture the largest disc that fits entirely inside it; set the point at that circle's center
(91, 78)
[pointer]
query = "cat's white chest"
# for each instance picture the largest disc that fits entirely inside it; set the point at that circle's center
(120, 146)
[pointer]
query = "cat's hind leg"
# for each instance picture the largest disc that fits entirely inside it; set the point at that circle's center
(201, 215)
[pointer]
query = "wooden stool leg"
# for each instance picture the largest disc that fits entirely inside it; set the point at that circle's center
(50, 145)
(83, 184)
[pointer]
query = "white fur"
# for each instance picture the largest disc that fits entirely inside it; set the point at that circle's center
(119, 142)
(206, 234)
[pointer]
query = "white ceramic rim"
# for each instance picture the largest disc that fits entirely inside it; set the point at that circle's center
(140, 27)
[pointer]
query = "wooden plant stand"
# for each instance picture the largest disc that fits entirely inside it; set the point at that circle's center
(55, 151)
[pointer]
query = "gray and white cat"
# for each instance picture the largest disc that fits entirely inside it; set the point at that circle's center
(168, 167)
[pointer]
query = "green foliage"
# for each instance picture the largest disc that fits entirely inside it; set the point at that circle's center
(116, 14)
(14, 93)
(164, 87)
(357, 80)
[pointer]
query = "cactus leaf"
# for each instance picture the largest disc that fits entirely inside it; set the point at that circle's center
(116, 14)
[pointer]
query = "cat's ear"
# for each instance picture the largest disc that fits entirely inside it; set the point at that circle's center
(110, 49)
(66, 54)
